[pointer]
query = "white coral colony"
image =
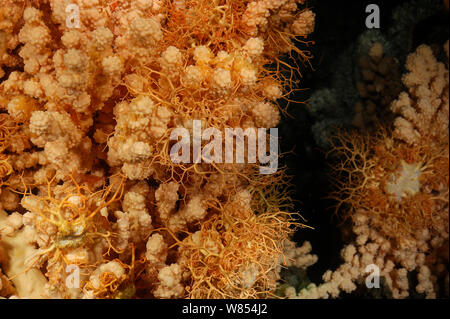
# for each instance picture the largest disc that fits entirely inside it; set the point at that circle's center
(88, 188)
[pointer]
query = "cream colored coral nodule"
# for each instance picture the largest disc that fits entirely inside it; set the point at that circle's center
(149, 149)
(89, 94)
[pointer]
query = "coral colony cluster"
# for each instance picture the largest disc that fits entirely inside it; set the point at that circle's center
(396, 187)
(117, 179)
(91, 93)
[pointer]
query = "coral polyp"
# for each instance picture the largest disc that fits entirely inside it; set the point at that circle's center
(218, 149)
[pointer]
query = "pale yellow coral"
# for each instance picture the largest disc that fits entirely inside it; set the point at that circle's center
(395, 234)
(102, 38)
(202, 54)
(156, 250)
(146, 32)
(100, 98)
(170, 282)
(193, 77)
(29, 284)
(221, 81)
(254, 47)
(304, 24)
(111, 267)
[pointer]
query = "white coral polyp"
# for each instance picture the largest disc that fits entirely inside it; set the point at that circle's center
(304, 24)
(265, 114)
(171, 58)
(193, 77)
(221, 80)
(112, 65)
(202, 54)
(254, 47)
(111, 267)
(273, 91)
(102, 38)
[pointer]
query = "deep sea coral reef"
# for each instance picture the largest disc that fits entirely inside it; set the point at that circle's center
(90, 93)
